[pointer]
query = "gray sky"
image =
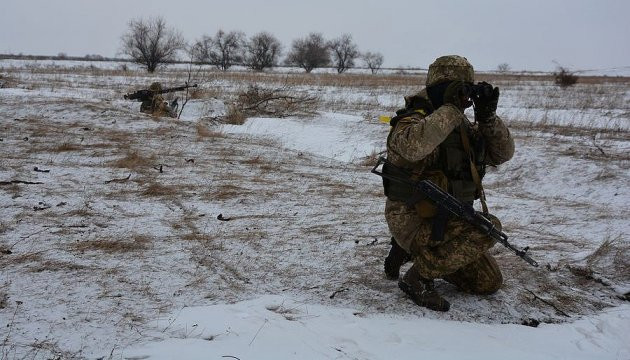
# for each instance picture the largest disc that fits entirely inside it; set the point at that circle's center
(527, 34)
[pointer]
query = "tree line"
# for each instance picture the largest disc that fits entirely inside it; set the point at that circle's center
(151, 42)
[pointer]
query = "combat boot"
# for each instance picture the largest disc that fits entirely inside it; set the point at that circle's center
(422, 291)
(395, 259)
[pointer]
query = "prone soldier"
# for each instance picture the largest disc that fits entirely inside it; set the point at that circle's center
(152, 101)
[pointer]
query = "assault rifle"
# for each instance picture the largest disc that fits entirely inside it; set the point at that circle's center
(451, 205)
(146, 94)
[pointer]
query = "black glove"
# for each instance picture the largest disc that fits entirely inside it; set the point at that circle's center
(486, 103)
(456, 94)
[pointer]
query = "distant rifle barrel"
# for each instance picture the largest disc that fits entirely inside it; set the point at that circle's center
(146, 94)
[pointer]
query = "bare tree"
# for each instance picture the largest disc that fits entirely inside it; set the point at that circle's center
(151, 43)
(344, 52)
(223, 50)
(503, 67)
(309, 53)
(373, 61)
(564, 77)
(262, 51)
(192, 75)
(199, 51)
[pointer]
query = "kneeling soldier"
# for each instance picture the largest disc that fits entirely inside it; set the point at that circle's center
(432, 139)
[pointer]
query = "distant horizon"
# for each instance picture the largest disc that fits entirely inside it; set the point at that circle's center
(529, 36)
(70, 57)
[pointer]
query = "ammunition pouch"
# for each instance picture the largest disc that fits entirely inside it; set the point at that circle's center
(397, 191)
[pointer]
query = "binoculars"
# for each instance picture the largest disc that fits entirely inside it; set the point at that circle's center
(479, 90)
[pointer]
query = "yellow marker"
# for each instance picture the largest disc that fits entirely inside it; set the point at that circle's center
(385, 119)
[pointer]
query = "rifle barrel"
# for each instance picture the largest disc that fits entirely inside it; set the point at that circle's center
(446, 201)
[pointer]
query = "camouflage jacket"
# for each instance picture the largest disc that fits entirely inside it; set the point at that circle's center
(413, 144)
(157, 106)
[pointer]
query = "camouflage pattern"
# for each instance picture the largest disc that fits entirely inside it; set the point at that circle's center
(499, 142)
(414, 140)
(156, 86)
(450, 67)
(157, 106)
(461, 257)
(481, 277)
(422, 291)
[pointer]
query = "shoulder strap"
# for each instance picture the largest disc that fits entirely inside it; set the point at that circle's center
(463, 131)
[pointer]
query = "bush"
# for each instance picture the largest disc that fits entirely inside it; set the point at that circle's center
(565, 78)
(281, 102)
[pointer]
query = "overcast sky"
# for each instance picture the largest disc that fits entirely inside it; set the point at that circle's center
(527, 34)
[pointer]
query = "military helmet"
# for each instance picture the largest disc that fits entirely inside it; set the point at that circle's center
(448, 68)
(156, 86)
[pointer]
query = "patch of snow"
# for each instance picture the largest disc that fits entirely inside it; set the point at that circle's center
(341, 137)
(276, 327)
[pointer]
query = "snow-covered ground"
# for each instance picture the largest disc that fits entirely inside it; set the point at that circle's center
(111, 246)
(275, 327)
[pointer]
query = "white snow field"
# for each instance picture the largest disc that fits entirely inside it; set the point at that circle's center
(126, 236)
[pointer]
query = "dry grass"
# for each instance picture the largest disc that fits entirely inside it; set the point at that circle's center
(121, 138)
(226, 192)
(4, 299)
(371, 159)
(336, 189)
(82, 212)
(255, 161)
(613, 248)
(199, 93)
(111, 246)
(56, 265)
(234, 116)
(19, 259)
(133, 160)
(160, 190)
(7, 81)
(67, 147)
(14, 189)
(203, 132)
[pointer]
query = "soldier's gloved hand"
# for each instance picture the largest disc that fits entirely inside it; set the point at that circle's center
(486, 104)
(457, 95)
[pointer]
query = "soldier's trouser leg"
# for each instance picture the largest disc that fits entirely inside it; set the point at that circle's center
(463, 245)
(395, 259)
(482, 276)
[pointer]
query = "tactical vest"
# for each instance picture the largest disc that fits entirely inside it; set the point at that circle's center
(451, 171)
(454, 162)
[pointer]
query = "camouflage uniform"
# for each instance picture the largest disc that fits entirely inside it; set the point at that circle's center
(157, 106)
(418, 143)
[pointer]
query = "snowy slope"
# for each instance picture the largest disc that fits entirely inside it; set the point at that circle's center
(275, 327)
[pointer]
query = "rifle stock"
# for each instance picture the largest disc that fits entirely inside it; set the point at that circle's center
(455, 207)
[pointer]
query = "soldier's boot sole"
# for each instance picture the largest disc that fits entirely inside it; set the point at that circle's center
(425, 298)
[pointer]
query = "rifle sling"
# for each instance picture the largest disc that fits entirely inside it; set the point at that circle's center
(473, 169)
